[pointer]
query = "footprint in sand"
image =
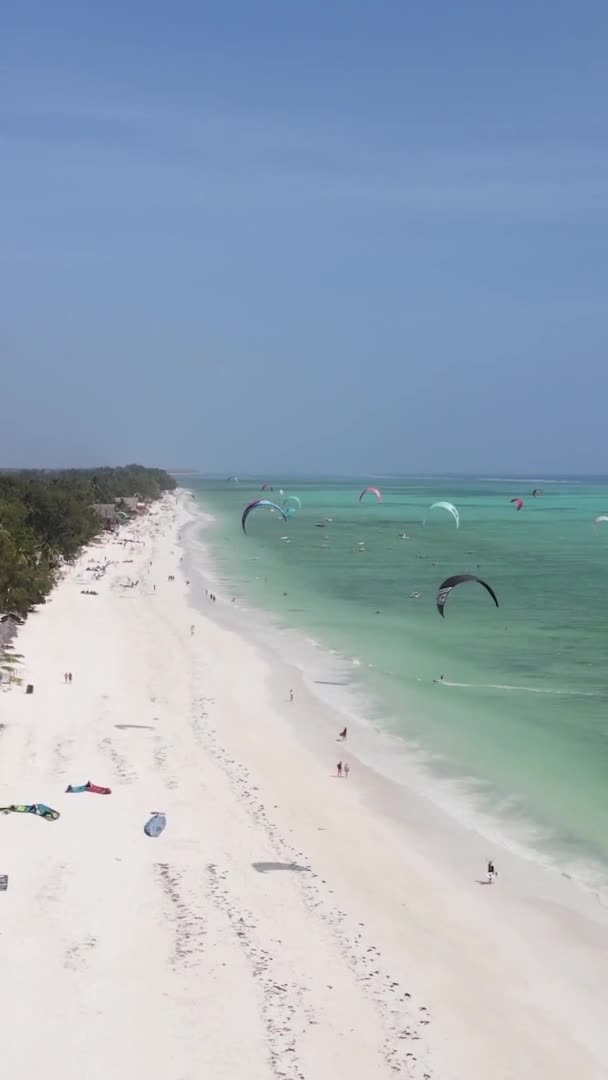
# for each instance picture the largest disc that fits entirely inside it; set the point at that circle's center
(124, 772)
(189, 927)
(76, 957)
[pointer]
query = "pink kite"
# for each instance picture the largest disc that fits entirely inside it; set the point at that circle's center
(518, 503)
(371, 491)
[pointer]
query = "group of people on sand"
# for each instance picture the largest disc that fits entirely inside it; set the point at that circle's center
(343, 768)
(67, 676)
(210, 596)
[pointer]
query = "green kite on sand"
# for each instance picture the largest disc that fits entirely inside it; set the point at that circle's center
(38, 808)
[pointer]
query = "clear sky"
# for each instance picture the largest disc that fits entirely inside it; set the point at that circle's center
(258, 236)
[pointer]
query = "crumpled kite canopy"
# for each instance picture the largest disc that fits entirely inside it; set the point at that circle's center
(254, 505)
(38, 808)
(518, 503)
(450, 583)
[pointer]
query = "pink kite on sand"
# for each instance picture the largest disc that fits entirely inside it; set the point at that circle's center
(97, 789)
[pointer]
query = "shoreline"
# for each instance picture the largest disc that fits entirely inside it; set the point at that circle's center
(524, 766)
(337, 919)
(449, 794)
(532, 898)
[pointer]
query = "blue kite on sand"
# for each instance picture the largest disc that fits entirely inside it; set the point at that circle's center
(156, 824)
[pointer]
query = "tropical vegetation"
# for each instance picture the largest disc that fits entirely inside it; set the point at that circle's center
(46, 517)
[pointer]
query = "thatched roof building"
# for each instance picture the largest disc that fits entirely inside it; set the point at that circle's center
(107, 512)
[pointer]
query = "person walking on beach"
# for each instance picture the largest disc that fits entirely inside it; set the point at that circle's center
(192, 630)
(70, 677)
(65, 677)
(491, 872)
(346, 770)
(291, 695)
(339, 767)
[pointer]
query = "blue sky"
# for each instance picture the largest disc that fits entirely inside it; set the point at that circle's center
(337, 237)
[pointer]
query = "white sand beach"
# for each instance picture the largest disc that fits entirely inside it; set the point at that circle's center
(286, 924)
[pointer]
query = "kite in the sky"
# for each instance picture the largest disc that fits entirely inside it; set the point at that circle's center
(254, 506)
(450, 583)
(371, 491)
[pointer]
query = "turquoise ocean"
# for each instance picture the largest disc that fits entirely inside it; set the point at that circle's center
(521, 716)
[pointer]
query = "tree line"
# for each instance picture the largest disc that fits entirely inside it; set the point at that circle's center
(46, 517)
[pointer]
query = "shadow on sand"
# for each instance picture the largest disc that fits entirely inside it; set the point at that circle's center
(142, 727)
(265, 867)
